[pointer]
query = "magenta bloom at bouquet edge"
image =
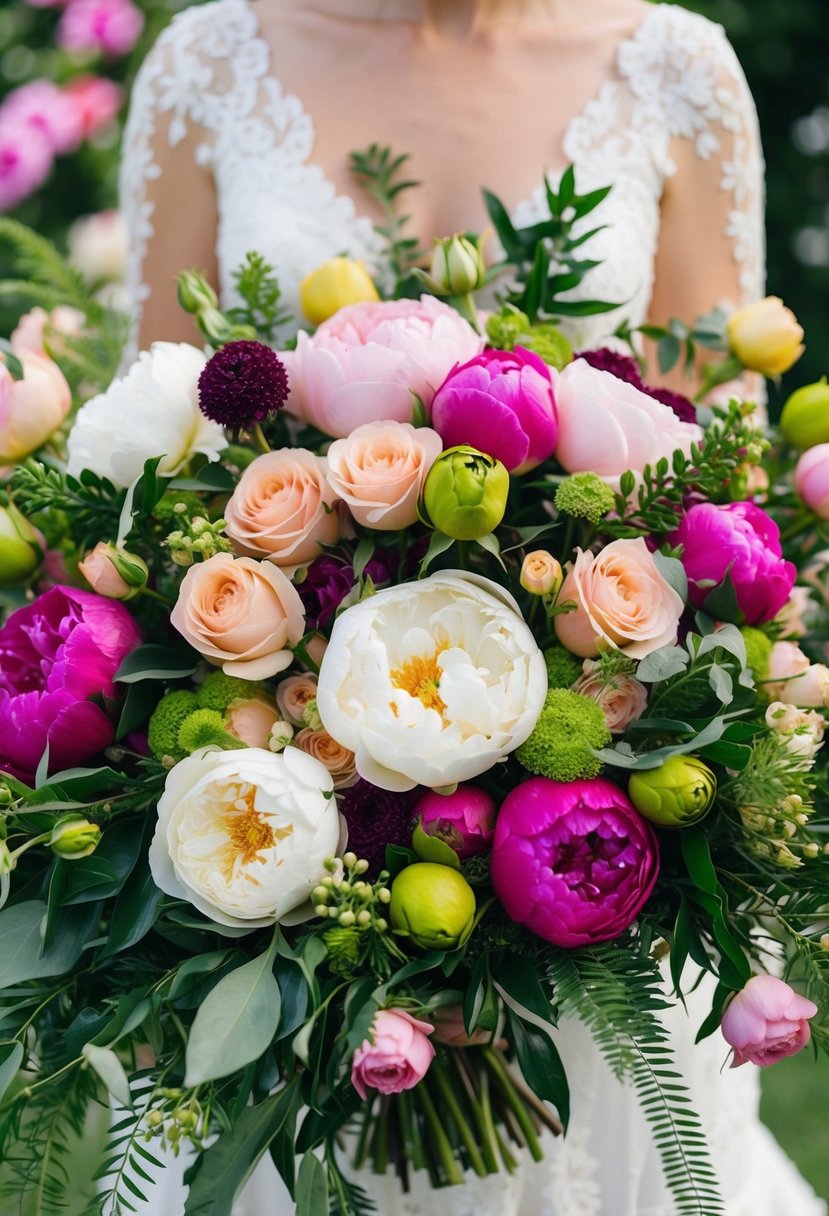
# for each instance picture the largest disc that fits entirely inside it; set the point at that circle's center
(465, 819)
(502, 403)
(396, 1057)
(573, 862)
(739, 539)
(766, 1022)
(55, 655)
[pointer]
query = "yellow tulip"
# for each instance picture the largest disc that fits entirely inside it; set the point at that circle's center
(334, 285)
(765, 336)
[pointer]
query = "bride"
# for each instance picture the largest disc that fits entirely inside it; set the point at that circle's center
(242, 121)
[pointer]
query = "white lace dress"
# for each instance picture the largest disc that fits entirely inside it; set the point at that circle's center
(676, 78)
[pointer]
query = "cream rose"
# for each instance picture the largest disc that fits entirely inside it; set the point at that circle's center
(283, 508)
(337, 759)
(541, 573)
(243, 835)
(622, 601)
(240, 614)
(794, 679)
(622, 699)
(379, 470)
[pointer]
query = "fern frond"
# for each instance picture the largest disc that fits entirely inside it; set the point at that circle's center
(126, 1158)
(40, 260)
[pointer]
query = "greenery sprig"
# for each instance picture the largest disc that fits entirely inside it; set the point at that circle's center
(380, 172)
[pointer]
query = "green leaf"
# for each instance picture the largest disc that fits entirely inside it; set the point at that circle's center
(20, 942)
(154, 662)
(432, 848)
(668, 351)
(311, 1187)
(136, 910)
(721, 603)
(522, 984)
(673, 572)
(439, 542)
(236, 1023)
(109, 1068)
(540, 1063)
(735, 969)
(11, 1057)
(721, 683)
(661, 664)
(503, 226)
(212, 477)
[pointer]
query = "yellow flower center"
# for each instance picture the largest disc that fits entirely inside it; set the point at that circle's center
(248, 831)
(420, 678)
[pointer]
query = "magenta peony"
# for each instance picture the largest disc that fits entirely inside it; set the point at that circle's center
(503, 404)
(25, 161)
(573, 862)
(396, 1057)
(465, 820)
(42, 106)
(109, 27)
(766, 1022)
(56, 654)
(741, 540)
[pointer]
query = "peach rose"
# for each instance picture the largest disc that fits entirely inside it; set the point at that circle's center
(794, 679)
(253, 721)
(283, 508)
(294, 695)
(38, 329)
(240, 614)
(339, 761)
(379, 470)
(621, 699)
(621, 601)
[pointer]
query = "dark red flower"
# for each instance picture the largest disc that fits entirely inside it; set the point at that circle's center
(244, 383)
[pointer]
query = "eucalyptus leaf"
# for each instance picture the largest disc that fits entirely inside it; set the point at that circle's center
(236, 1023)
(21, 927)
(11, 1057)
(311, 1187)
(661, 664)
(109, 1068)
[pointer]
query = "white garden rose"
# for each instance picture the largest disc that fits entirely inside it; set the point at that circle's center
(431, 682)
(243, 835)
(151, 411)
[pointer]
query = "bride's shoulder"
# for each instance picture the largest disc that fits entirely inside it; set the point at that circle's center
(672, 42)
(213, 31)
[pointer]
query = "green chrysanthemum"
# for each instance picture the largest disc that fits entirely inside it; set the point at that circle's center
(758, 651)
(167, 717)
(585, 496)
(560, 746)
(563, 668)
(219, 691)
(203, 728)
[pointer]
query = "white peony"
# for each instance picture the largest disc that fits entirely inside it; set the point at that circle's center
(243, 835)
(431, 682)
(151, 411)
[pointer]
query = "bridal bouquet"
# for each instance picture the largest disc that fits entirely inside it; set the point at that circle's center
(370, 703)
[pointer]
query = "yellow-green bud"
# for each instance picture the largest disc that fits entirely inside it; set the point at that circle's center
(195, 293)
(349, 860)
(805, 418)
(319, 895)
(465, 494)
(20, 549)
(675, 795)
(433, 905)
(457, 266)
(74, 837)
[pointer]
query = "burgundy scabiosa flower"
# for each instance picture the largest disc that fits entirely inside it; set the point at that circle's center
(376, 818)
(56, 654)
(573, 861)
(245, 382)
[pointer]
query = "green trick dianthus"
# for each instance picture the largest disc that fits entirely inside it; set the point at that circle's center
(758, 651)
(219, 691)
(563, 668)
(569, 726)
(585, 496)
(167, 717)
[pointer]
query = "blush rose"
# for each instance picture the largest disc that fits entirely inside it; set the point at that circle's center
(379, 471)
(396, 1057)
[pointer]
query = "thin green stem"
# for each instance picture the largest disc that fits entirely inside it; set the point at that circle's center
(504, 1084)
(478, 1098)
(437, 1073)
(380, 1148)
(446, 1156)
(259, 435)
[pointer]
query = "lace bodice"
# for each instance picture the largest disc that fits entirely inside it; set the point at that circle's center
(676, 79)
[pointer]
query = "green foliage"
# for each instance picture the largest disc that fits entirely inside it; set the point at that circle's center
(381, 174)
(257, 284)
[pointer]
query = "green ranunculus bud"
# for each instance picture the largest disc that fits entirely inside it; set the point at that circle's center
(805, 418)
(74, 837)
(195, 293)
(677, 794)
(433, 905)
(457, 266)
(465, 494)
(20, 549)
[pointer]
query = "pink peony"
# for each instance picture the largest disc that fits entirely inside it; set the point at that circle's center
(574, 862)
(396, 1057)
(368, 362)
(25, 161)
(465, 820)
(38, 329)
(42, 106)
(502, 404)
(55, 655)
(741, 540)
(811, 479)
(766, 1022)
(111, 27)
(96, 102)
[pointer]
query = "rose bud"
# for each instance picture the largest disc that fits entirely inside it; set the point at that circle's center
(20, 549)
(541, 573)
(465, 493)
(811, 479)
(766, 1022)
(464, 820)
(765, 336)
(433, 905)
(791, 677)
(74, 837)
(457, 266)
(396, 1056)
(805, 417)
(675, 795)
(114, 572)
(31, 407)
(333, 286)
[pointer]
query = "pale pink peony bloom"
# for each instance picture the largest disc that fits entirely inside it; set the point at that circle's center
(367, 363)
(622, 699)
(766, 1022)
(111, 27)
(43, 107)
(96, 101)
(792, 677)
(396, 1056)
(607, 426)
(621, 600)
(379, 469)
(38, 328)
(811, 479)
(25, 161)
(31, 408)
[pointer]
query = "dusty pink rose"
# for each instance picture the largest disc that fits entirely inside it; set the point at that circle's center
(792, 677)
(369, 360)
(606, 425)
(621, 601)
(38, 329)
(811, 479)
(31, 408)
(25, 161)
(339, 761)
(294, 695)
(252, 720)
(379, 471)
(621, 699)
(396, 1056)
(96, 102)
(111, 27)
(283, 508)
(240, 614)
(766, 1022)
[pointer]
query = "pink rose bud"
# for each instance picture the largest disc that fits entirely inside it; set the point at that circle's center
(114, 572)
(811, 479)
(464, 820)
(541, 573)
(31, 408)
(253, 720)
(622, 699)
(794, 679)
(96, 102)
(766, 1022)
(396, 1056)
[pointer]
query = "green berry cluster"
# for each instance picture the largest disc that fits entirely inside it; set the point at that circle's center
(196, 537)
(177, 1118)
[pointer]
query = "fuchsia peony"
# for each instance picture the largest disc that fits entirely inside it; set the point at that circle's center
(55, 655)
(25, 161)
(42, 106)
(397, 1056)
(503, 404)
(766, 1022)
(368, 362)
(572, 861)
(465, 820)
(741, 540)
(110, 27)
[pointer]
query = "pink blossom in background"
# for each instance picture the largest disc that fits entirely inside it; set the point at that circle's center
(111, 27)
(766, 1022)
(42, 106)
(396, 1057)
(25, 162)
(96, 102)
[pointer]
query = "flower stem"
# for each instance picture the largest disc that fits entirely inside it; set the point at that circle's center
(464, 1130)
(380, 1147)
(446, 1156)
(478, 1098)
(506, 1087)
(259, 435)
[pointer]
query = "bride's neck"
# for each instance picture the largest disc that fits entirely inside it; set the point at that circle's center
(451, 16)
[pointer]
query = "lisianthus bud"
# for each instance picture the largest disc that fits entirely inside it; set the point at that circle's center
(805, 417)
(333, 286)
(114, 572)
(195, 293)
(74, 837)
(433, 905)
(675, 795)
(465, 494)
(765, 336)
(19, 546)
(541, 573)
(457, 266)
